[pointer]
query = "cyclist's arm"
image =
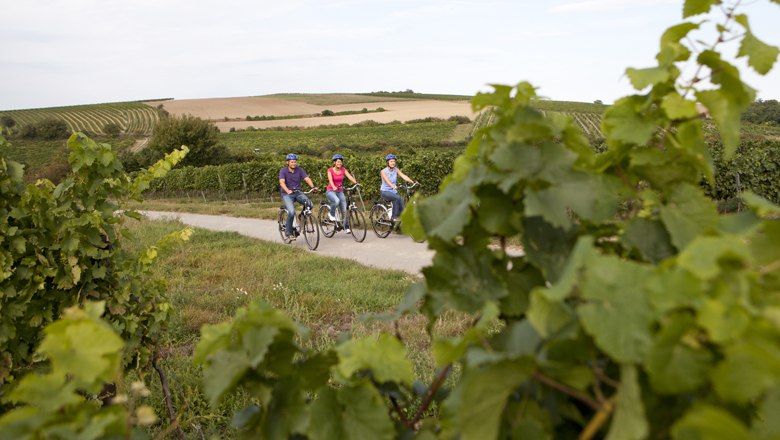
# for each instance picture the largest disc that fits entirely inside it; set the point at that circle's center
(386, 179)
(349, 176)
(308, 180)
(330, 180)
(283, 184)
(405, 177)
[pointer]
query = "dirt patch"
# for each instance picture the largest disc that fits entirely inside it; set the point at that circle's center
(139, 145)
(237, 109)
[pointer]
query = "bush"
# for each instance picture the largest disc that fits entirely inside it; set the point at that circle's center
(51, 129)
(199, 135)
(112, 129)
(327, 113)
(460, 119)
(7, 121)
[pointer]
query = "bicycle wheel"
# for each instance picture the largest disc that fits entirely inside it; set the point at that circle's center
(357, 225)
(328, 226)
(282, 220)
(310, 231)
(381, 222)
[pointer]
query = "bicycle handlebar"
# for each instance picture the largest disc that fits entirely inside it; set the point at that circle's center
(315, 189)
(350, 188)
(408, 185)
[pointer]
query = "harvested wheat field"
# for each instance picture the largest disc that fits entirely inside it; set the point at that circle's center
(235, 110)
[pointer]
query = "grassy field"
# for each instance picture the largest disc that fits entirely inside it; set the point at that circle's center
(234, 208)
(41, 157)
(419, 96)
(357, 138)
(332, 98)
(215, 273)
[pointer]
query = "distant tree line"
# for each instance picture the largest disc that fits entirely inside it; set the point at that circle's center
(763, 112)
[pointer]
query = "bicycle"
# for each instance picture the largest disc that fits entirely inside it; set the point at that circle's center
(381, 214)
(311, 233)
(357, 221)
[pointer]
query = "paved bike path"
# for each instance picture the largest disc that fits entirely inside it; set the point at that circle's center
(394, 252)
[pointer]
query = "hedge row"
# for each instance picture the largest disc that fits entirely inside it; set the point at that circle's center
(262, 177)
(757, 163)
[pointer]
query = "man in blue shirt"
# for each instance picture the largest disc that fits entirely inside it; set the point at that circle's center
(290, 178)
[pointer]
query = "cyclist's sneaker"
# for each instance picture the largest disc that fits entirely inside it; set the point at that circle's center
(347, 230)
(331, 217)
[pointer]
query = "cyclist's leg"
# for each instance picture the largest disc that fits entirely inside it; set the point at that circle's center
(397, 202)
(342, 204)
(303, 200)
(334, 201)
(288, 203)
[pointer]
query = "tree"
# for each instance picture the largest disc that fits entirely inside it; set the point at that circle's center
(51, 129)
(199, 135)
(112, 129)
(7, 121)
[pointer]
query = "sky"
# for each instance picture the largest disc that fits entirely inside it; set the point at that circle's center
(70, 52)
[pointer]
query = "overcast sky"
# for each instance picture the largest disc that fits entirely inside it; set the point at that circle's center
(57, 52)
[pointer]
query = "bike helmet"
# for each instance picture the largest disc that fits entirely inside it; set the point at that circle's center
(390, 156)
(292, 156)
(336, 157)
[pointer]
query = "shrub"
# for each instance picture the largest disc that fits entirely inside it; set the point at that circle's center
(327, 113)
(51, 129)
(112, 129)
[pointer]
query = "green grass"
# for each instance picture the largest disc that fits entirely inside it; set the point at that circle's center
(42, 156)
(234, 208)
(330, 98)
(315, 140)
(419, 96)
(215, 273)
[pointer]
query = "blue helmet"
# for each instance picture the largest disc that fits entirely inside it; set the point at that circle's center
(338, 156)
(292, 156)
(390, 156)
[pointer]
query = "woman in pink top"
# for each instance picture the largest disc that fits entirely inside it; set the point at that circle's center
(335, 193)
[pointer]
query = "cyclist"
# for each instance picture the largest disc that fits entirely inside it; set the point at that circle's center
(335, 192)
(290, 177)
(389, 190)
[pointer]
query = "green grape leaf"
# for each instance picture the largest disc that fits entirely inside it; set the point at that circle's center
(474, 408)
(750, 368)
(617, 312)
(705, 422)
(384, 356)
(629, 422)
(577, 259)
(727, 103)
(624, 121)
(89, 352)
(760, 55)
(352, 413)
(327, 417)
(650, 238)
(592, 197)
(675, 364)
(677, 107)
(687, 214)
(550, 317)
(445, 215)
(256, 341)
(703, 255)
(641, 78)
(696, 7)
(465, 278)
(769, 425)
(723, 321)
(287, 413)
(213, 337)
(761, 206)
(49, 392)
(223, 372)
